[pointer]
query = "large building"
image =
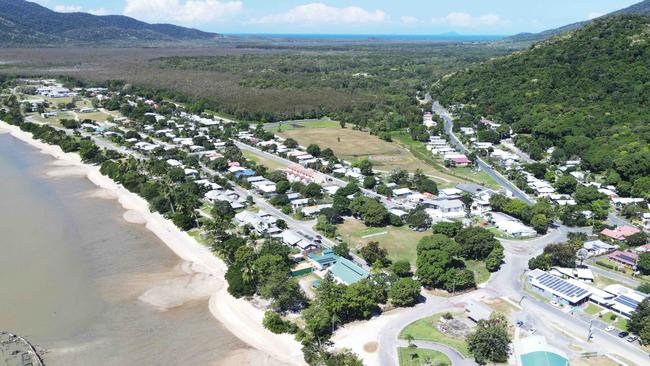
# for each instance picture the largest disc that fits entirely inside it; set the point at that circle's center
(564, 292)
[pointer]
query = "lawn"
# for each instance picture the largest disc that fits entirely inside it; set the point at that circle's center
(480, 272)
(425, 330)
(477, 176)
(401, 242)
(411, 356)
(271, 164)
(352, 145)
(615, 320)
(592, 309)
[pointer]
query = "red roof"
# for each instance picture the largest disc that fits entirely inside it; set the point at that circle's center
(620, 233)
(624, 257)
(461, 160)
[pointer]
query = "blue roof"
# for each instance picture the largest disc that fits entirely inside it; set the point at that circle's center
(561, 286)
(245, 173)
(348, 272)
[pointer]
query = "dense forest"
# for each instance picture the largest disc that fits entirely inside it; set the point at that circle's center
(587, 93)
(371, 86)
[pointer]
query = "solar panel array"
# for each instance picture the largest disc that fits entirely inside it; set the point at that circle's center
(561, 286)
(631, 303)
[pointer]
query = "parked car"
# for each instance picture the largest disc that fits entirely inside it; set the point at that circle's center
(554, 303)
(632, 338)
(520, 323)
(532, 331)
(609, 328)
(623, 334)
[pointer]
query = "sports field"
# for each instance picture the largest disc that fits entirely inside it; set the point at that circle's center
(352, 145)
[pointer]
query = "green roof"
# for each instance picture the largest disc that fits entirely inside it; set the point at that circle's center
(542, 358)
(325, 258)
(347, 271)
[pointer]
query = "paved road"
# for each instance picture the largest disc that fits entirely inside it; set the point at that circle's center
(500, 179)
(615, 276)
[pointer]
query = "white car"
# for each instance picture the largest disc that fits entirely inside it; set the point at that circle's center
(532, 331)
(554, 303)
(609, 328)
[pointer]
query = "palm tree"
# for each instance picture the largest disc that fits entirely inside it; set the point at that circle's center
(409, 338)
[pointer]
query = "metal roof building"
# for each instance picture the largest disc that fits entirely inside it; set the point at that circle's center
(347, 272)
(561, 289)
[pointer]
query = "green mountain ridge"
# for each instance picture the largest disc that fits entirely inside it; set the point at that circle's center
(642, 8)
(586, 92)
(24, 23)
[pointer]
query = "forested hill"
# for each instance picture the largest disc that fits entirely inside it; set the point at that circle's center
(642, 8)
(25, 23)
(586, 92)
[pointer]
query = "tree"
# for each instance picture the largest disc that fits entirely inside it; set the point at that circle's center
(540, 223)
(566, 184)
(313, 190)
(494, 259)
(490, 341)
(432, 265)
(542, 261)
(418, 219)
(290, 143)
(369, 182)
(401, 268)
(342, 250)
(282, 187)
(449, 229)
(314, 150)
(643, 264)
(637, 239)
(639, 323)
(365, 166)
(274, 322)
(404, 292)
(373, 253)
(586, 195)
(475, 242)
(223, 209)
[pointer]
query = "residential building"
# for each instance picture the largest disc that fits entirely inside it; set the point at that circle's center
(347, 272)
(620, 233)
(324, 260)
(624, 257)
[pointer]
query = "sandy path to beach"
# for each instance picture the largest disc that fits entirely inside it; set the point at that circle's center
(240, 317)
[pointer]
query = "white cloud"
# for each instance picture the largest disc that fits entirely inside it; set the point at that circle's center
(409, 19)
(320, 13)
(100, 11)
(594, 15)
(468, 20)
(67, 8)
(181, 11)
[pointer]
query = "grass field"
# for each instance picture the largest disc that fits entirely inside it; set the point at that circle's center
(410, 356)
(425, 330)
(400, 242)
(321, 123)
(267, 162)
(353, 145)
(94, 116)
(480, 273)
(592, 309)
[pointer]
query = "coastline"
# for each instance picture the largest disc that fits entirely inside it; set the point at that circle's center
(238, 316)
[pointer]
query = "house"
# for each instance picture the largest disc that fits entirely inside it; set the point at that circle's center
(477, 311)
(620, 233)
(402, 192)
(511, 225)
(582, 274)
(298, 173)
(624, 257)
(397, 212)
(244, 173)
(450, 193)
(314, 210)
(347, 272)
(324, 260)
(621, 202)
(598, 247)
(446, 209)
(645, 220)
(263, 223)
(292, 239)
(460, 161)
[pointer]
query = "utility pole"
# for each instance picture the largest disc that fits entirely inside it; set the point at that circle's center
(590, 335)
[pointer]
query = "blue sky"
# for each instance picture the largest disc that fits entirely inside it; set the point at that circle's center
(500, 17)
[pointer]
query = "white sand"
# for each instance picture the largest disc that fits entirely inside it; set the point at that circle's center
(239, 316)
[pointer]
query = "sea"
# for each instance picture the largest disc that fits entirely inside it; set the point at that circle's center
(72, 272)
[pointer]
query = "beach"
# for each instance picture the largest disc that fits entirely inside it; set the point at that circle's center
(200, 274)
